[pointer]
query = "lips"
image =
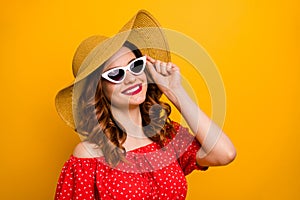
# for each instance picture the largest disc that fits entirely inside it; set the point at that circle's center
(135, 89)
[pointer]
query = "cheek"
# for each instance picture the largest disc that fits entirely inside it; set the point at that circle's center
(145, 83)
(144, 77)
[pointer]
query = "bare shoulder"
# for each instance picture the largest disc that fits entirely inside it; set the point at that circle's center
(87, 150)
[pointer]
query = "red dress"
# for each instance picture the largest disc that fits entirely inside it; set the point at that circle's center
(151, 173)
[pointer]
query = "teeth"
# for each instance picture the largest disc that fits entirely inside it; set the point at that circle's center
(132, 90)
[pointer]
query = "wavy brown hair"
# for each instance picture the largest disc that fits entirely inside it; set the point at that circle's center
(99, 126)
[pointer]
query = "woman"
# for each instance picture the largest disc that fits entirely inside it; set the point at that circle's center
(131, 149)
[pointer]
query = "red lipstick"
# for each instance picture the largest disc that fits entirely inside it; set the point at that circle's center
(135, 89)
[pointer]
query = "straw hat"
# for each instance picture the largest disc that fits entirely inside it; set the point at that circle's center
(143, 30)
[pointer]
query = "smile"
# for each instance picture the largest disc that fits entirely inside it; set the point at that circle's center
(133, 90)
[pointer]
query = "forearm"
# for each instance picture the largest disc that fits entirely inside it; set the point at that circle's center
(190, 111)
(217, 148)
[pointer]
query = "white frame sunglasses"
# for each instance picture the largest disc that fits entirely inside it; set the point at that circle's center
(130, 67)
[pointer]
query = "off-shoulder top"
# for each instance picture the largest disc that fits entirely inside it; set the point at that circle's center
(151, 172)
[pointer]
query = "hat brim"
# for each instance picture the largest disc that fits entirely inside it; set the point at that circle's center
(143, 30)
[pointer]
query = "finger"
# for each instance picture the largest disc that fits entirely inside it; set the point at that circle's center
(150, 68)
(163, 69)
(175, 67)
(169, 67)
(152, 72)
(152, 60)
(157, 66)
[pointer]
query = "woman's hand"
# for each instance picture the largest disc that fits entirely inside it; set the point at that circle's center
(165, 75)
(217, 148)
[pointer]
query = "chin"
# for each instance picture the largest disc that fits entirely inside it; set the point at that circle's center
(137, 100)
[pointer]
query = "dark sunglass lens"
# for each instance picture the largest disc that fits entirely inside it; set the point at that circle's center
(117, 74)
(137, 66)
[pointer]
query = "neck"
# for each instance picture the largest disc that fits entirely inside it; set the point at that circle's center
(130, 119)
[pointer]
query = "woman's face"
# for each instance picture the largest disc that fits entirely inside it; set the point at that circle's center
(132, 91)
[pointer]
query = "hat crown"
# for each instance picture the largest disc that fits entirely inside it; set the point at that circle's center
(85, 47)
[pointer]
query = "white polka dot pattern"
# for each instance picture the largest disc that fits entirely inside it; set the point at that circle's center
(148, 175)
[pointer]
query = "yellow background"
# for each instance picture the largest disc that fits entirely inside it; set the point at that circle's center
(255, 45)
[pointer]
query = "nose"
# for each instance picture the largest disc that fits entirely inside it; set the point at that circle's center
(130, 78)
